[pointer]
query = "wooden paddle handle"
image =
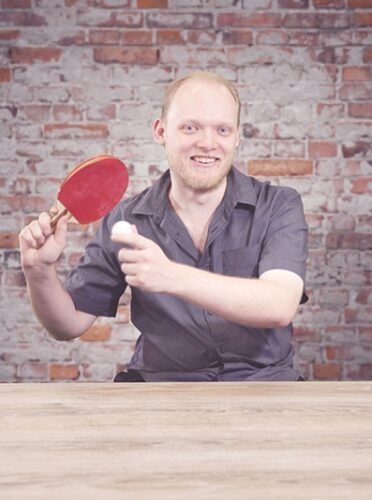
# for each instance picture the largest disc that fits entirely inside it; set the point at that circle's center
(57, 216)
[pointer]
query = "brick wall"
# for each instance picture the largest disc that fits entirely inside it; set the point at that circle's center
(82, 77)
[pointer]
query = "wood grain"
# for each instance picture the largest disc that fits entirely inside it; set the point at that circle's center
(304, 440)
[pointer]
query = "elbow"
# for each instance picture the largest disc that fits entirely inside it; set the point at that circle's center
(284, 317)
(61, 336)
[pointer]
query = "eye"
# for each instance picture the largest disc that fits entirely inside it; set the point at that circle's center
(224, 131)
(189, 128)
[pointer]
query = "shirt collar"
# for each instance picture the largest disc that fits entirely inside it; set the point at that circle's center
(154, 201)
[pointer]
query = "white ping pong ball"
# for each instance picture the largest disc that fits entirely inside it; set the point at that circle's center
(121, 227)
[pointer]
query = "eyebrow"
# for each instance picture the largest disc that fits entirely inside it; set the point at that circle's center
(199, 123)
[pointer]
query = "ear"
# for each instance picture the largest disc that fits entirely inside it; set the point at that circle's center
(237, 139)
(158, 131)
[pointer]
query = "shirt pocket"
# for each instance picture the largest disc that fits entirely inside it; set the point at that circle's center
(242, 262)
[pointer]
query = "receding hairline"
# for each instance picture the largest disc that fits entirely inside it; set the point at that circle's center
(171, 90)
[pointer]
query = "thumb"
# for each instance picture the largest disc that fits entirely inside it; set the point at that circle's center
(61, 231)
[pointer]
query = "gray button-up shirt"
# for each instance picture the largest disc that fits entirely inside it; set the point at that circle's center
(257, 227)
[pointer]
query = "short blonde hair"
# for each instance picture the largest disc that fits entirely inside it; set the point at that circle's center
(201, 75)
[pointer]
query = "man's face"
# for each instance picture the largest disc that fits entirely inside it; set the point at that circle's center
(200, 134)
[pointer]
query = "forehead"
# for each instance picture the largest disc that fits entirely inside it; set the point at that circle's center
(203, 99)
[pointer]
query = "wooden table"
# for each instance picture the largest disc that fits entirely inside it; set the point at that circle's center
(281, 440)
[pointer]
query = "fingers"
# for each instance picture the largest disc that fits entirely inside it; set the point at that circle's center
(133, 240)
(36, 232)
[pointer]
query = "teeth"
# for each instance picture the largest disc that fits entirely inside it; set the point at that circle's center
(203, 159)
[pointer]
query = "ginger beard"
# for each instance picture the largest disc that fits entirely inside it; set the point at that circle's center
(200, 135)
(200, 172)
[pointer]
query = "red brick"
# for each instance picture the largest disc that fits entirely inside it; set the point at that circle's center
(367, 55)
(135, 55)
(104, 37)
(136, 37)
(77, 38)
(16, 4)
(330, 111)
(9, 34)
(293, 4)
(97, 333)
(152, 4)
(280, 167)
(34, 112)
(181, 21)
(362, 185)
(110, 4)
(322, 149)
(168, 37)
(358, 148)
(256, 19)
(200, 37)
(272, 37)
(303, 38)
(305, 20)
(329, 371)
(329, 4)
(348, 240)
(63, 372)
(355, 92)
(32, 370)
(8, 239)
(359, 4)
(363, 18)
(14, 278)
(341, 20)
(289, 149)
(26, 203)
(28, 55)
(356, 73)
(5, 75)
(365, 333)
(22, 18)
(123, 314)
(75, 131)
(360, 110)
(344, 352)
(358, 372)
(102, 112)
(66, 112)
(364, 296)
(360, 315)
(237, 37)
(305, 333)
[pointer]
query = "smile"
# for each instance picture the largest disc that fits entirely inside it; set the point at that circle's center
(205, 160)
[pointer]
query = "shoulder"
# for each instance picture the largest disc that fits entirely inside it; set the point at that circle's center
(257, 192)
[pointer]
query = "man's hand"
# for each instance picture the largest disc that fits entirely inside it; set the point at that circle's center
(39, 246)
(143, 262)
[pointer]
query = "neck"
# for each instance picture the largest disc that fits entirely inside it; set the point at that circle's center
(196, 209)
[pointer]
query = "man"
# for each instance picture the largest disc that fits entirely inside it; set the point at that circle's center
(215, 262)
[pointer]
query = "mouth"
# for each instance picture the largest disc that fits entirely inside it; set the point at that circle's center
(205, 161)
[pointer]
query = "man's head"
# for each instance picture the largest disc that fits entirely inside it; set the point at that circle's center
(199, 129)
(201, 75)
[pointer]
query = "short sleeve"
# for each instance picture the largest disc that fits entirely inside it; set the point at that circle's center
(285, 242)
(97, 282)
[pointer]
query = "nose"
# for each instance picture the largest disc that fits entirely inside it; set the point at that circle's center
(206, 139)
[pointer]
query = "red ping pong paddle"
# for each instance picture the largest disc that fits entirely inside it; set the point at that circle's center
(92, 189)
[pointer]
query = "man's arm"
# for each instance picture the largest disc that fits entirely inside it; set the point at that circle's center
(40, 250)
(267, 302)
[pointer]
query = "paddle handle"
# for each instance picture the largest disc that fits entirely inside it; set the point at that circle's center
(57, 216)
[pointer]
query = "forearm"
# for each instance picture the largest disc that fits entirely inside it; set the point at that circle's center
(53, 305)
(250, 302)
